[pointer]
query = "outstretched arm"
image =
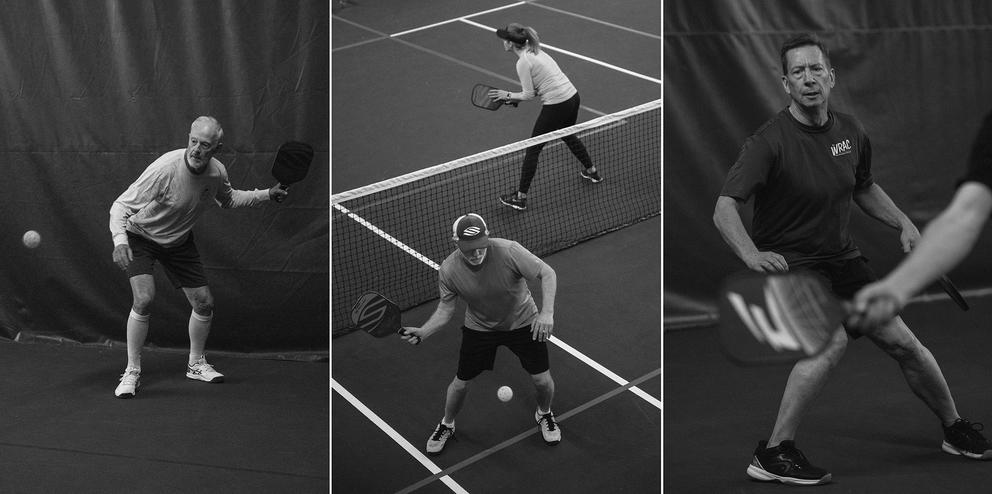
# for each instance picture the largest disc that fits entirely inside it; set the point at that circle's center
(945, 243)
(442, 315)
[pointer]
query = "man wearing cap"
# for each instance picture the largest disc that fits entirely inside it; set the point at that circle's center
(490, 275)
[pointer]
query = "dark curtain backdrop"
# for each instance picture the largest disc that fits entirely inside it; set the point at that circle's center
(917, 73)
(91, 92)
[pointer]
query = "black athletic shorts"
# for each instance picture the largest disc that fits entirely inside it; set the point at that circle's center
(182, 262)
(844, 277)
(478, 351)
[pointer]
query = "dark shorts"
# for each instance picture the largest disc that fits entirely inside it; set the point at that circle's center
(844, 277)
(478, 351)
(182, 262)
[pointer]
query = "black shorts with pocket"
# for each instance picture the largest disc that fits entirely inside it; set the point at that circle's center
(181, 262)
(478, 351)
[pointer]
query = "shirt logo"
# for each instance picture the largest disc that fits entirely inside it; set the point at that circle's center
(841, 148)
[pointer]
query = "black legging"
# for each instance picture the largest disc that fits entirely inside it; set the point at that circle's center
(552, 118)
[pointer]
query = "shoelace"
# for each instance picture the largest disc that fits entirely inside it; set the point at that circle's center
(440, 432)
(203, 366)
(550, 420)
(129, 378)
(800, 458)
(970, 429)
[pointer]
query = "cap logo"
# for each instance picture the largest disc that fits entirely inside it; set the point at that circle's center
(471, 231)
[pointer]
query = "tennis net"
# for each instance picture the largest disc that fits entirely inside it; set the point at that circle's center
(391, 236)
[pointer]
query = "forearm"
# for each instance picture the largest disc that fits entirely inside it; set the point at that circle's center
(526, 85)
(118, 223)
(243, 198)
(549, 287)
(441, 316)
(946, 240)
(727, 219)
(877, 204)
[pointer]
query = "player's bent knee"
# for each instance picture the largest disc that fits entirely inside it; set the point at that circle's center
(543, 378)
(141, 301)
(204, 309)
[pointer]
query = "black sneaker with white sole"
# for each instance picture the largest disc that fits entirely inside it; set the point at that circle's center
(965, 438)
(593, 177)
(513, 201)
(786, 464)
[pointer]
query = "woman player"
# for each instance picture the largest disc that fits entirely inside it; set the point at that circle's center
(540, 75)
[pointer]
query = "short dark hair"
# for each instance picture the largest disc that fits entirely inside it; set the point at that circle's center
(805, 39)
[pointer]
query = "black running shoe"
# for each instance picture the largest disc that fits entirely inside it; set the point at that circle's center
(593, 177)
(513, 201)
(786, 464)
(966, 439)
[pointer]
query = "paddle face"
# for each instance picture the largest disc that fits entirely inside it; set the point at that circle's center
(292, 162)
(952, 291)
(481, 99)
(776, 318)
(377, 315)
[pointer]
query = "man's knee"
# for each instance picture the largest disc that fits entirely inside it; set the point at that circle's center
(142, 296)
(543, 379)
(899, 342)
(458, 384)
(202, 301)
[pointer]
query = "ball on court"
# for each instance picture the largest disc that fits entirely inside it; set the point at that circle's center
(31, 239)
(504, 393)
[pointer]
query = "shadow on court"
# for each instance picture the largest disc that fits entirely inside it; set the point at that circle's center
(264, 430)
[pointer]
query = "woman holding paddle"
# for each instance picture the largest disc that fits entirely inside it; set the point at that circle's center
(540, 76)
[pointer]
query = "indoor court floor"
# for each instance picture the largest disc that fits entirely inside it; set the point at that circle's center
(263, 430)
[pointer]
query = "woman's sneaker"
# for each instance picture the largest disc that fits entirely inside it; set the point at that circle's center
(514, 201)
(593, 177)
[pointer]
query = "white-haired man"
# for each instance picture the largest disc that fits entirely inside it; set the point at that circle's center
(152, 222)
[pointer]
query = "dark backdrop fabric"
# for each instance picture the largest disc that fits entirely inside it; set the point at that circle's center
(916, 73)
(92, 92)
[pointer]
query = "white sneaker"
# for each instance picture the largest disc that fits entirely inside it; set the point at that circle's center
(439, 438)
(202, 371)
(549, 427)
(129, 383)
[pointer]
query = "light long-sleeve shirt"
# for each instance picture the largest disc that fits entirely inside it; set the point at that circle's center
(539, 74)
(165, 201)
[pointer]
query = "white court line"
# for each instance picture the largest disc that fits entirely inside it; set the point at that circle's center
(389, 238)
(436, 24)
(561, 344)
(576, 55)
(395, 436)
(606, 372)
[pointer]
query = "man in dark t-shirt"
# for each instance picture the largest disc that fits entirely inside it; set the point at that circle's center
(805, 169)
(945, 242)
